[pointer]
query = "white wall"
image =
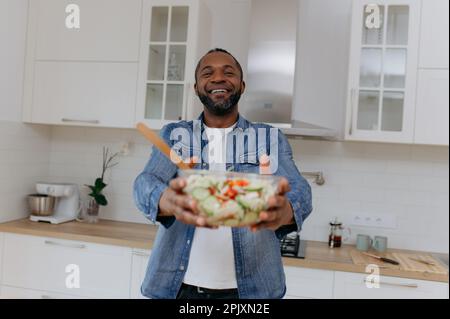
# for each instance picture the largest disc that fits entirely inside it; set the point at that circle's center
(24, 149)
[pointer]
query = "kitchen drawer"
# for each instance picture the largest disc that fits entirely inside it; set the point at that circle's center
(352, 285)
(308, 283)
(138, 270)
(41, 263)
(7, 292)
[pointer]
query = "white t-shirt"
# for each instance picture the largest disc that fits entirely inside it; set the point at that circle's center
(211, 262)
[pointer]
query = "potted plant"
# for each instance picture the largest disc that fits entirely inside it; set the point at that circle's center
(97, 197)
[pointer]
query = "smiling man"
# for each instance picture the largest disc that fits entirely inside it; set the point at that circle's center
(189, 259)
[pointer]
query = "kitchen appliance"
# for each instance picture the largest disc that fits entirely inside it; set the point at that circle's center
(41, 205)
(292, 246)
(67, 202)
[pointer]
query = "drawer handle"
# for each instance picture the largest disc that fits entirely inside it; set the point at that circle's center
(54, 243)
(415, 286)
(46, 297)
(80, 121)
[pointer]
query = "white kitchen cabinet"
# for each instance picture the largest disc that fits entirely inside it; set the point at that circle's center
(175, 34)
(382, 71)
(138, 269)
(303, 283)
(354, 286)
(85, 76)
(80, 93)
(7, 292)
(66, 267)
(434, 43)
(432, 123)
(109, 30)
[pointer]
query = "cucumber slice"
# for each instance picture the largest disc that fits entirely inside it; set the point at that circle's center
(200, 193)
(254, 186)
(210, 205)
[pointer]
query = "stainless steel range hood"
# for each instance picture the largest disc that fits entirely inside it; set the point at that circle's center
(271, 69)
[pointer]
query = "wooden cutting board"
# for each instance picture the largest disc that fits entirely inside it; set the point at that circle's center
(361, 259)
(406, 263)
(412, 265)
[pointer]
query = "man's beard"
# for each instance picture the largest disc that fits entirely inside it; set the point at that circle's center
(220, 108)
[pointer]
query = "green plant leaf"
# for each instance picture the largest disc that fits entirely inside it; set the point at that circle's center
(101, 199)
(99, 184)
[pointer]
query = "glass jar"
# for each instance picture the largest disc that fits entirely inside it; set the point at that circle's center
(92, 211)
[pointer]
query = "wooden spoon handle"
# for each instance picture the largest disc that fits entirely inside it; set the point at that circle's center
(161, 145)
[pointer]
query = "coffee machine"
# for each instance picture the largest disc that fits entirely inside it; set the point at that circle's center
(67, 205)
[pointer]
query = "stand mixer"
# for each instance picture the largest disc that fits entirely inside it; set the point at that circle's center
(67, 204)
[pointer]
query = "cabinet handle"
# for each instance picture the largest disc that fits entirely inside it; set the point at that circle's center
(54, 243)
(352, 107)
(415, 286)
(80, 121)
(137, 253)
(46, 297)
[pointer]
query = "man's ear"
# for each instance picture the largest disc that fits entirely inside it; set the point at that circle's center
(195, 89)
(243, 87)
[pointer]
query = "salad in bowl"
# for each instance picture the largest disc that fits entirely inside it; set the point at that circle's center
(229, 198)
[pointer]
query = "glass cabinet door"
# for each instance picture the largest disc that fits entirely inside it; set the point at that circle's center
(382, 56)
(166, 80)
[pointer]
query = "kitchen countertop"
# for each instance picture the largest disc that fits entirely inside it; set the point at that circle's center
(141, 236)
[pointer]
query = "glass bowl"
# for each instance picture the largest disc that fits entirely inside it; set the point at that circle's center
(229, 198)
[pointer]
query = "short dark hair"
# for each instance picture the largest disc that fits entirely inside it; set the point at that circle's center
(223, 51)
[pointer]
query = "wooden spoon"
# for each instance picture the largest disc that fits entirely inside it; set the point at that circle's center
(162, 146)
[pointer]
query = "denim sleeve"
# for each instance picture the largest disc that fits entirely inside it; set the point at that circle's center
(153, 181)
(300, 194)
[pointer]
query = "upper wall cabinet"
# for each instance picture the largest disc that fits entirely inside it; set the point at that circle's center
(383, 70)
(432, 124)
(82, 62)
(175, 34)
(434, 42)
(108, 29)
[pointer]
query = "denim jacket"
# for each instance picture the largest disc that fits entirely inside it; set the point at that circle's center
(258, 263)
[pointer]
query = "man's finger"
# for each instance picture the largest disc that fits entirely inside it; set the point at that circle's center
(265, 225)
(276, 201)
(191, 219)
(184, 202)
(177, 184)
(268, 216)
(283, 186)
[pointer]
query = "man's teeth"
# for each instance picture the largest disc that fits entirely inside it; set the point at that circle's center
(218, 91)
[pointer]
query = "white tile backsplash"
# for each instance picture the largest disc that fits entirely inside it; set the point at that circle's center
(24, 159)
(410, 182)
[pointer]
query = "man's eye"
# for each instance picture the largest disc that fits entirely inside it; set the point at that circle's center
(206, 74)
(229, 73)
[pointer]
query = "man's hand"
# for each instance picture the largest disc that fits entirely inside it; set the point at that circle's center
(279, 212)
(174, 203)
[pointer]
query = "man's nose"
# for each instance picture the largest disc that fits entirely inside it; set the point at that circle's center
(218, 77)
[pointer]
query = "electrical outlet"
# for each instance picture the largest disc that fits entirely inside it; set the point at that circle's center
(125, 149)
(376, 221)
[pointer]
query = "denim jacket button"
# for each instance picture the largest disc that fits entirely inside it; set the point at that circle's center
(181, 267)
(188, 242)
